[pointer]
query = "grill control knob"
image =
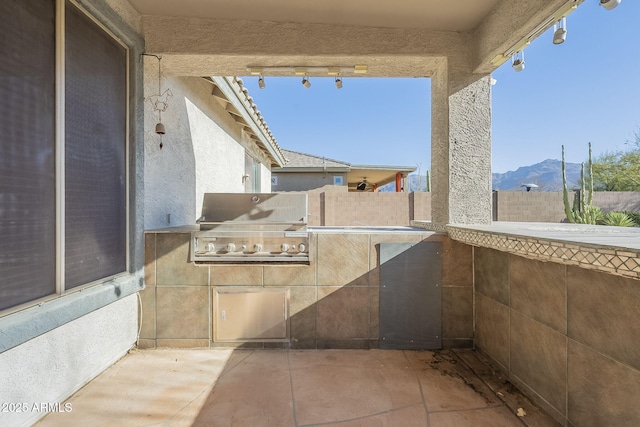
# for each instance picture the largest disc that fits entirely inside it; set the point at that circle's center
(231, 247)
(257, 247)
(284, 247)
(302, 247)
(209, 247)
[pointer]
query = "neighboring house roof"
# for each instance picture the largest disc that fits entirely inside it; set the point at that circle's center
(240, 106)
(301, 162)
(372, 174)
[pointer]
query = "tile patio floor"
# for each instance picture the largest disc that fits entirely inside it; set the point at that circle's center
(216, 387)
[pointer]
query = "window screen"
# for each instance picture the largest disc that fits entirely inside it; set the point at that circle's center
(95, 150)
(27, 154)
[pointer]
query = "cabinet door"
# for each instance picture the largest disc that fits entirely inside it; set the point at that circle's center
(251, 315)
(410, 295)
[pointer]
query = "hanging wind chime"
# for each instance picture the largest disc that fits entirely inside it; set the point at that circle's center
(160, 102)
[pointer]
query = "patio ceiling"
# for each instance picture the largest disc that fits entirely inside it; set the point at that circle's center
(452, 15)
(404, 38)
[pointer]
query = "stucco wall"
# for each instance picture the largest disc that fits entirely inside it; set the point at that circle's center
(332, 206)
(371, 208)
(617, 200)
(522, 206)
(203, 151)
(540, 206)
(51, 367)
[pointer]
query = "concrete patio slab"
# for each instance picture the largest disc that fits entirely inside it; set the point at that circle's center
(221, 387)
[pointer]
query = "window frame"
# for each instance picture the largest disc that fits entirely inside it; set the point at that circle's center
(59, 141)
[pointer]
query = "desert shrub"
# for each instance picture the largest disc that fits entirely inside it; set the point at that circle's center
(635, 217)
(618, 219)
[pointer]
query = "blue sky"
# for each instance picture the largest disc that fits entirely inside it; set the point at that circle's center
(585, 90)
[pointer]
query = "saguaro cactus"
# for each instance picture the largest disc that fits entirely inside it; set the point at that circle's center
(582, 212)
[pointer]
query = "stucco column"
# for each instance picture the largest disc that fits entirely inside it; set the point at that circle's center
(460, 150)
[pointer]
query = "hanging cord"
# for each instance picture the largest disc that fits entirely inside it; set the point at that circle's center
(159, 88)
(158, 98)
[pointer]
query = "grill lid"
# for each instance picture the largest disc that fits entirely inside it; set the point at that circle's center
(253, 208)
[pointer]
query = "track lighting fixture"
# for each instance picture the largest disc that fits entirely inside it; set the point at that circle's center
(517, 61)
(610, 4)
(338, 83)
(565, 9)
(560, 31)
(261, 84)
(305, 82)
(308, 71)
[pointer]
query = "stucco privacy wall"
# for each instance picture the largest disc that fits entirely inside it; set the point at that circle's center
(617, 200)
(525, 206)
(51, 367)
(50, 350)
(342, 208)
(203, 151)
(539, 206)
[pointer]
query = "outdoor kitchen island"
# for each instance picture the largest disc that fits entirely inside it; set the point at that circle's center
(333, 301)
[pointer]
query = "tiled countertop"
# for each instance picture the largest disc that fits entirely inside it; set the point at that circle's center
(615, 250)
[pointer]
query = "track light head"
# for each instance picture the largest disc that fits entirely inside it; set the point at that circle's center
(261, 84)
(518, 65)
(610, 4)
(560, 31)
(305, 82)
(338, 83)
(517, 61)
(559, 36)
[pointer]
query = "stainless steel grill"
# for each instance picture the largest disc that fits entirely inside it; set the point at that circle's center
(250, 228)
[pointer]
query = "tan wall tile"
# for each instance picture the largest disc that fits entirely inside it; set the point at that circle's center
(146, 343)
(150, 259)
(289, 275)
(236, 275)
(457, 263)
(182, 312)
(538, 290)
(603, 313)
(539, 358)
(187, 343)
(491, 270)
(343, 314)
(172, 264)
(492, 329)
(362, 344)
(302, 301)
(457, 312)
(303, 329)
(374, 312)
(602, 392)
(343, 259)
(148, 315)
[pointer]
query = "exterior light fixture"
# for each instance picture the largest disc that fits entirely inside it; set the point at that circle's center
(305, 82)
(610, 4)
(338, 83)
(560, 31)
(261, 84)
(302, 71)
(517, 61)
(565, 9)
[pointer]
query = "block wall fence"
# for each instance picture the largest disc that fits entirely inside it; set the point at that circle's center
(339, 208)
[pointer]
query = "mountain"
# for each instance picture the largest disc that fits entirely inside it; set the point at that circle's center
(547, 175)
